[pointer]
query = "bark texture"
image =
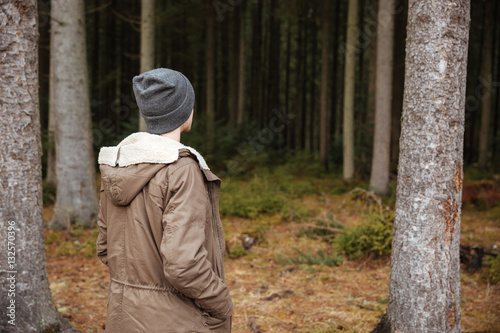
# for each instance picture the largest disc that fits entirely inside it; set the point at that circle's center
(379, 179)
(21, 177)
(147, 43)
(76, 196)
(486, 79)
(349, 85)
(424, 291)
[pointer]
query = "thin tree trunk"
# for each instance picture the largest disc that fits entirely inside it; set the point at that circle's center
(323, 113)
(222, 70)
(147, 43)
(301, 135)
(349, 90)
(274, 63)
(76, 198)
(241, 66)
(496, 122)
(360, 92)
(299, 79)
(371, 32)
(119, 70)
(210, 83)
(311, 113)
(234, 91)
(486, 82)
(337, 75)
(26, 301)
(379, 179)
(288, 135)
(51, 177)
(424, 293)
(103, 61)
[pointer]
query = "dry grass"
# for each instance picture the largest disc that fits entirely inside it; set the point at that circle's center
(301, 298)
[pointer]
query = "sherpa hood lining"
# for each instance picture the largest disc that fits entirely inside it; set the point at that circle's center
(144, 147)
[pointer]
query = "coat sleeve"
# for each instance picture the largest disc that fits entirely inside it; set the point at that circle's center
(185, 261)
(102, 237)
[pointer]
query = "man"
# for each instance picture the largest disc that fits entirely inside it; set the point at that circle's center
(160, 232)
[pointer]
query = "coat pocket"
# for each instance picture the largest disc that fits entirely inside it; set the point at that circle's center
(211, 322)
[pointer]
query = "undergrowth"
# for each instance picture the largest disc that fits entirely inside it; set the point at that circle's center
(494, 273)
(372, 236)
(266, 192)
(73, 242)
(321, 257)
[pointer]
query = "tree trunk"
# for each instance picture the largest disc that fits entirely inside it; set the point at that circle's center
(51, 176)
(256, 63)
(210, 84)
(323, 112)
(299, 84)
(233, 87)
(147, 43)
(372, 31)
(241, 66)
(496, 122)
(349, 83)
(221, 69)
(26, 303)
(119, 72)
(288, 86)
(274, 63)
(337, 76)
(379, 179)
(311, 113)
(76, 197)
(486, 81)
(424, 293)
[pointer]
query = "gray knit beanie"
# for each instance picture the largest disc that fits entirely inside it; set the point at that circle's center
(165, 98)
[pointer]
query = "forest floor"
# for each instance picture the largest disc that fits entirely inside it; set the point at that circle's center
(269, 293)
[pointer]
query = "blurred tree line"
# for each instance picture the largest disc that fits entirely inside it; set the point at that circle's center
(256, 66)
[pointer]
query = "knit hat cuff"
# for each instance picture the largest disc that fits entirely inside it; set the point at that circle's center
(167, 122)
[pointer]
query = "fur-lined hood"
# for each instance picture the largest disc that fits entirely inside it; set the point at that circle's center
(129, 166)
(143, 147)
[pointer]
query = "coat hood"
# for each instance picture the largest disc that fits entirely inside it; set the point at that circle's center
(129, 166)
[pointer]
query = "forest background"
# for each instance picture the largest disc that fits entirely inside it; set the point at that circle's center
(274, 89)
(267, 61)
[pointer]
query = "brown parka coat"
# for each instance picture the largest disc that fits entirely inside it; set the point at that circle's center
(161, 236)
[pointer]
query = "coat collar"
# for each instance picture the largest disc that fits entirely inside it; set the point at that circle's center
(142, 147)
